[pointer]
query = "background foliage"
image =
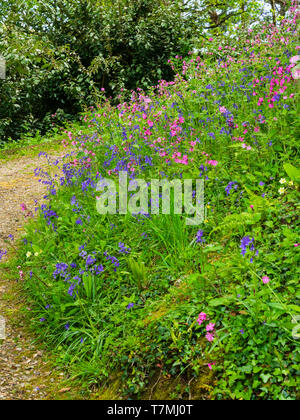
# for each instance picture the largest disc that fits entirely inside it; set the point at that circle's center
(60, 54)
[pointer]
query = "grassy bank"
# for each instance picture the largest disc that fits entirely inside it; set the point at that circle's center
(146, 301)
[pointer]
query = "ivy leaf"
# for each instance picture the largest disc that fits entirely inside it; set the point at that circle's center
(265, 377)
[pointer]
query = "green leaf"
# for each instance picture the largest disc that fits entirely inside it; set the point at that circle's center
(292, 171)
(224, 301)
(295, 308)
(278, 306)
(265, 377)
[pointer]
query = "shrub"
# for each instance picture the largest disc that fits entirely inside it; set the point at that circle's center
(64, 57)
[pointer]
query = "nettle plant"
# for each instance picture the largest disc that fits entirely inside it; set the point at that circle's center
(213, 307)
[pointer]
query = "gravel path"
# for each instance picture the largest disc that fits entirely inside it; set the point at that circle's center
(24, 371)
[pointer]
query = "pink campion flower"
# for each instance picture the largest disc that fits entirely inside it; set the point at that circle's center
(75, 162)
(23, 207)
(295, 59)
(150, 123)
(296, 245)
(21, 274)
(265, 279)
(260, 101)
(296, 73)
(201, 318)
(209, 337)
(222, 109)
(210, 365)
(210, 327)
(212, 162)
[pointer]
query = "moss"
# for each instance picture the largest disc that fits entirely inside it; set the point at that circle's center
(110, 391)
(156, 315)
(180, 387)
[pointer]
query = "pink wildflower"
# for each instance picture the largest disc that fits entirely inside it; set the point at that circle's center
(296, 73)
(260, 101)
(209, 337)
(21, 274)
(265, 279)
(212, 162)
(295, 59)
(202, 317)
(210, 327)
(150, 123)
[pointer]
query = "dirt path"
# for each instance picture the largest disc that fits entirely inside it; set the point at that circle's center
(18, 184)
(25, 371)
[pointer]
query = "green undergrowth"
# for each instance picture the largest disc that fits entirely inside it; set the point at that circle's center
(31, 145)
(15, 310)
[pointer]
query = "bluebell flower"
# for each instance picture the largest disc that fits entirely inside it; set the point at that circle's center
(2, 253)
(123, 249)
(73, 200)
(244, 244)
(90, 260)
(199, 237)
(230, 186)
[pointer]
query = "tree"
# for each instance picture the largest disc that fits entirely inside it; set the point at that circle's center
(60, 54)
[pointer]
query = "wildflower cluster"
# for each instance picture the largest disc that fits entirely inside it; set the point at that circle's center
(129, 287)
